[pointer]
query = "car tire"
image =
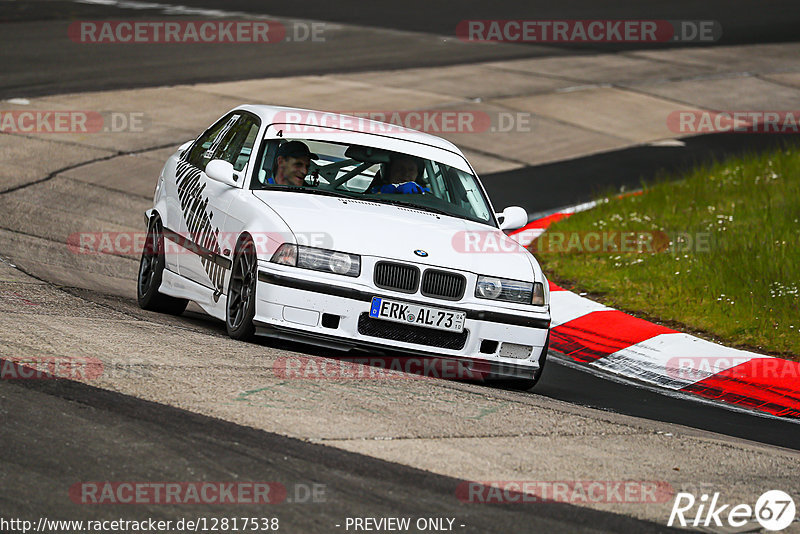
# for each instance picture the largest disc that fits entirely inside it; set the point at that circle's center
(524, 384)
(240, 307)
(151, 271)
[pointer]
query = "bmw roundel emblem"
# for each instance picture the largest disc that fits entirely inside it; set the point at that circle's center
(421, 253)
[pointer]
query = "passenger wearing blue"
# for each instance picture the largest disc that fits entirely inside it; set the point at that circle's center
(401, 173)
(291, 164)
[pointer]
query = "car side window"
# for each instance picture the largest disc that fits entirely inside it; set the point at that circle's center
(435, 176)
(204, 148)
(269, 148)
(237, 145)
(468, 193)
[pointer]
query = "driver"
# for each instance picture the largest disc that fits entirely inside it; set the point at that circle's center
(291, 164)
(401, 174)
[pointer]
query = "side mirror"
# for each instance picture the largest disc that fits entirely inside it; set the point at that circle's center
(222, 171)
(512, 217)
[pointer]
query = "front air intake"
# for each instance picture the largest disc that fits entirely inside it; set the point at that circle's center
(443, 285)
(396, 276)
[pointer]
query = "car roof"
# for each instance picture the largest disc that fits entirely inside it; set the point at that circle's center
(360, 130)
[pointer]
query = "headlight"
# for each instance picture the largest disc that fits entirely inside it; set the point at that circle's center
(317, 259)
(492, 288)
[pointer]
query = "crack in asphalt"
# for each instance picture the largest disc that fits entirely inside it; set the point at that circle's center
(56, 241)
(50, 176)
(73, 291)
(107, 188)
(55, 173)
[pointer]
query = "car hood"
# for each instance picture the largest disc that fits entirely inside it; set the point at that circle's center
(396, 232)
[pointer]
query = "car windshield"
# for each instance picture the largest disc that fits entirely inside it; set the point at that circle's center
(379, 175)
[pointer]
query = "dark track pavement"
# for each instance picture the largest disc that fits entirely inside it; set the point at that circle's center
(56, 433)
(565, 183)
(37, 57)
(78, 433)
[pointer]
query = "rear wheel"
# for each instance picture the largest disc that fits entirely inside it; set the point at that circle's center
(241, 305)
(151, 271)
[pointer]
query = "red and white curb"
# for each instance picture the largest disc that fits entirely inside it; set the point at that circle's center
(608, 340)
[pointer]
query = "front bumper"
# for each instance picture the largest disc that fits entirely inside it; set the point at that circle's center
(316, 310)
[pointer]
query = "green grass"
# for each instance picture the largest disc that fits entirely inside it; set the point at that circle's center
(742, 288)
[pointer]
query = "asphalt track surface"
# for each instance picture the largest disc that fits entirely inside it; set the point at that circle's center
(107, 429)
(103, 432)
(52, 67)
(743, 21)
(544, 188)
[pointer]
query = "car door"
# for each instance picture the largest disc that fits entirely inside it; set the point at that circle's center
(204, 202)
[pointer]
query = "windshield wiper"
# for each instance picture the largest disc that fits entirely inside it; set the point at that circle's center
(412, 205)
(313, 191)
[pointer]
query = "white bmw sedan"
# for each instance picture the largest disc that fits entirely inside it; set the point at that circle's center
(347, 233)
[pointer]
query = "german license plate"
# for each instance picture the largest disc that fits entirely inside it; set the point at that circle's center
(414, 314)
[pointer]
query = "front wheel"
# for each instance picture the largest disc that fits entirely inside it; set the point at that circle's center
(241, 304)
(151, 271)
(524, 384)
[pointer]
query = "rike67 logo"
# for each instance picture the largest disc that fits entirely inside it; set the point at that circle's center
(774, 510)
